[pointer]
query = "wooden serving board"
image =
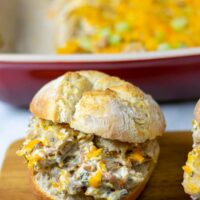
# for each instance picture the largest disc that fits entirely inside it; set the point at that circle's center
(165, 182)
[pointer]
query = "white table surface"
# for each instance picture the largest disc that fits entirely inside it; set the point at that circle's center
(13, 121)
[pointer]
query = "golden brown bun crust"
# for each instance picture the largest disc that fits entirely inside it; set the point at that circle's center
(197, 112)
(96, 103)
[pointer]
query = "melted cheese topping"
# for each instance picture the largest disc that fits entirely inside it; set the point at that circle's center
(101, 26)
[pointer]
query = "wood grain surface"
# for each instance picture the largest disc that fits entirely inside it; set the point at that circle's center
(165, 182)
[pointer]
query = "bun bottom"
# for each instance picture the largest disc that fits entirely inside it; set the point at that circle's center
(41, 195)
(134, 194)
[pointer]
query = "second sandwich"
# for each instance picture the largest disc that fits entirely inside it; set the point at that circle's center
(191, 179)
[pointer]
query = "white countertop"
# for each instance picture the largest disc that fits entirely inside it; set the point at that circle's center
(13, 121)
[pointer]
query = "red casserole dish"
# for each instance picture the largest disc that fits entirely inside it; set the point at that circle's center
(168, 76)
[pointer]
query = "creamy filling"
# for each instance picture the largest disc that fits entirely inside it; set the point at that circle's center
(67, 163)
(191, 182)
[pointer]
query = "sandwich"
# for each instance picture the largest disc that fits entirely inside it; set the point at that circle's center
(92, 137)
(191, 177)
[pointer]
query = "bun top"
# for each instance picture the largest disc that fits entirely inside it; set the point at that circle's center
(96, 103)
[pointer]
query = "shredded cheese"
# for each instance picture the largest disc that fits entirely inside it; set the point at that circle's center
(95, 180)
(32, 160)
(136, 156)
(55, 184)
(29, 147)
(102, 166)
(93, 154)
(187, 169)
(114, 25)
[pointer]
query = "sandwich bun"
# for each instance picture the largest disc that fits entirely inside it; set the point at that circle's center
(41, 194)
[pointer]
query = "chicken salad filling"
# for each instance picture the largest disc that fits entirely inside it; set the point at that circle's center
(71, 163)
(191, 182)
